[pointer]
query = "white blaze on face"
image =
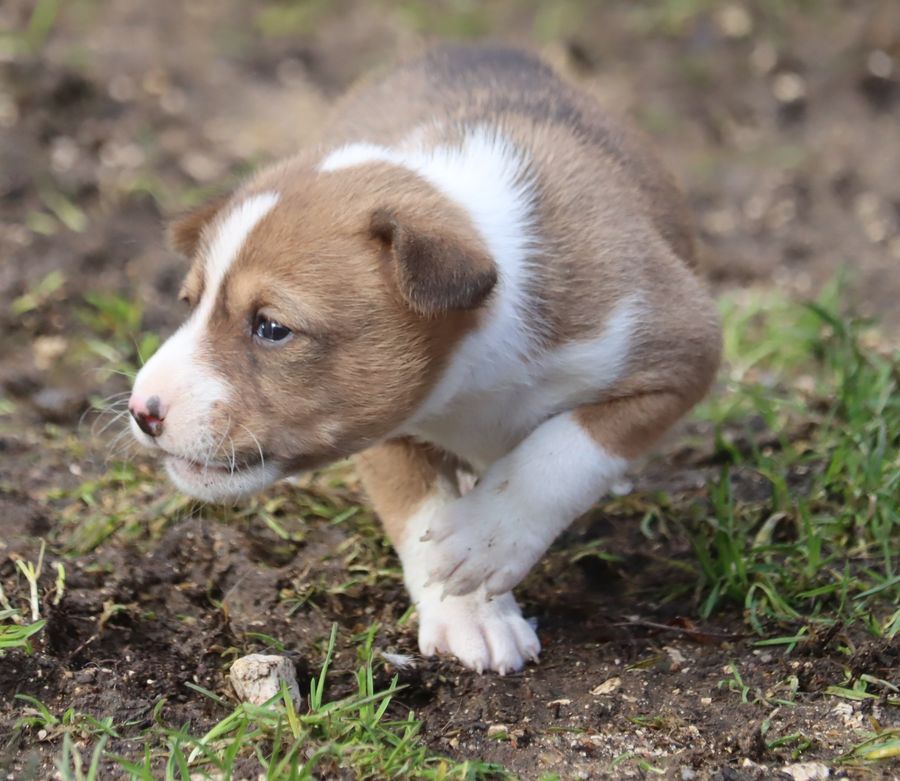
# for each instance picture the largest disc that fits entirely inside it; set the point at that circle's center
(187, 386)
(226, 245)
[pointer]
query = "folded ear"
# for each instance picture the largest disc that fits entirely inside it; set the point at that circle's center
(439, 268)
(184, 232)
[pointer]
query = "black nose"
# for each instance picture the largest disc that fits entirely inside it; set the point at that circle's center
(149, 424)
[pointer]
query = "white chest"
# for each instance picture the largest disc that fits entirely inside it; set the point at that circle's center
(482, 427)
(495, 406)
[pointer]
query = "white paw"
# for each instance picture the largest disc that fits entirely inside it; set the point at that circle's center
(483, 634)
(474, 542)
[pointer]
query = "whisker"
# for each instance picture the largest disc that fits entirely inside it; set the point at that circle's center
(214, 450)
(121, 444)
(115, 419)
(110, 404)
(112, 396)
(262, 458)
(233, 456)
(110, 370)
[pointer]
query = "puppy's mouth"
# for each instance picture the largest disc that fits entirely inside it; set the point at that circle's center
(218, 480)
(212, 467)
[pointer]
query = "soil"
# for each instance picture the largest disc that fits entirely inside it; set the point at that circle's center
(785, 132)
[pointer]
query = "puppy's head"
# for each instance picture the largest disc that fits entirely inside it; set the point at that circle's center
(323, 307)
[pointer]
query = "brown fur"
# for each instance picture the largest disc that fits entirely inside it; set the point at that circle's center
(437, 270)
(629, 426)
(398, 476)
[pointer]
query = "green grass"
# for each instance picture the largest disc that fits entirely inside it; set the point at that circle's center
(32, 36)
(119, 341)
(358, 733)
(14, 634)
(812, 417)
(19, 625)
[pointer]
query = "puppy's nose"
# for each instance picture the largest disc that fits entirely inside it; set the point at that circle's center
(148, 414)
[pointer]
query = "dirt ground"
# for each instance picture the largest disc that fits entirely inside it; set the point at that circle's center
(785, 131)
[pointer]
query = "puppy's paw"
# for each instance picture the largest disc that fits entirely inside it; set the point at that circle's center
(460, 569)
(476, 542)
(483, 634)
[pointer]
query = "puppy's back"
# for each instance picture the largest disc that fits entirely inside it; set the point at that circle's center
(454, 87)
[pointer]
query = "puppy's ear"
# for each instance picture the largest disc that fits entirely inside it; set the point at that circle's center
(184, 232)
(438, 269)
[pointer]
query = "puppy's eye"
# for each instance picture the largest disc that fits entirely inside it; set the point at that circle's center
(270, 330)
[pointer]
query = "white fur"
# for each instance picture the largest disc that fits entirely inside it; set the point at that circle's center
(188, 387)
(225, 245)
(491, 538)
(214, 483)
(359, 154)
(484, 634)
(484, 421)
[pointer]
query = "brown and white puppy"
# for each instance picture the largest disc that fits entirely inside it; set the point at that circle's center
(478, 269)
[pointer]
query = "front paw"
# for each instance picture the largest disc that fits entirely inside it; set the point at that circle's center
(461, 567)
(471, 545)
(483, 634)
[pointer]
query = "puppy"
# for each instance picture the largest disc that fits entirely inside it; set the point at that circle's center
(478, 271)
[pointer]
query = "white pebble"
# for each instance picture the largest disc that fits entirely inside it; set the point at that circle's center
(257, 678)
(807, 771)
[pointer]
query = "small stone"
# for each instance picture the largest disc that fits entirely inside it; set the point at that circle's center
(174, 101)
(607, 687)
(894, 247)
(789, 87)
(122, 88)
(880, 64)
(807, 771)
(720, 222)
(258, 677)
(764, 57)
(844, 711)
(622, 488)
(64, 154)
(677, 658)
(47, 350)
(734, 21)
(497, 731)
(87, 675)
(201, 167)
